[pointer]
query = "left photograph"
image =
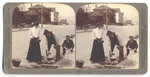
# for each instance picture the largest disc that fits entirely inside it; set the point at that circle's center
(43, 36)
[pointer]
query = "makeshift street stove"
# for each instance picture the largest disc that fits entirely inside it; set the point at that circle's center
(56, 58)
(115, 60)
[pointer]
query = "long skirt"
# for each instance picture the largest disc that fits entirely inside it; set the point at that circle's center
(34, 52)
(97, 54)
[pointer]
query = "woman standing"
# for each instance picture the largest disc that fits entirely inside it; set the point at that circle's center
(34, 52)
(97, 54)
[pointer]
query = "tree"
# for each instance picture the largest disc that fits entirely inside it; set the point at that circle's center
(96, 17)
(35, 15)
(46, 16)
(82, 18)
(16, 17)
(31, 16)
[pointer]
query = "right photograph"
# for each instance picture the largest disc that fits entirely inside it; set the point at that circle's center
(107, 37)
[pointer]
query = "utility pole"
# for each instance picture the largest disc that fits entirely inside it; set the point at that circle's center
(106, 18)
(41, 16)
(31, 4)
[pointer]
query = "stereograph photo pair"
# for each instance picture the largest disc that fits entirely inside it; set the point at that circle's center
(75, 38)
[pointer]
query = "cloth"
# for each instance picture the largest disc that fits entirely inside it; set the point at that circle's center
(50, 39)
(97, 33)
(34, 52)
(97, 54)
(132, 44)
(34, 32)
(113, 41)
(67, 44)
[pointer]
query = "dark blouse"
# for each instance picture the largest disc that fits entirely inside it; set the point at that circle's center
(114, 40)
(51, 38)
(132, 44)
(68, 43)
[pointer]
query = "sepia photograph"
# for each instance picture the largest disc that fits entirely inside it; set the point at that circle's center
(107, 36)
(43, 36)
(75, 38)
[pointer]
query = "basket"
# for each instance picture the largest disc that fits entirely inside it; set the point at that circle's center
(16, 62)
(79, 63)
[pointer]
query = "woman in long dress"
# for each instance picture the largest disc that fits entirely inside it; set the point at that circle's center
(34, 52)
(97, 54)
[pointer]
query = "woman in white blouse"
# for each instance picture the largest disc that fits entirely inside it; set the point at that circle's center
(34, 52)
(97, 54)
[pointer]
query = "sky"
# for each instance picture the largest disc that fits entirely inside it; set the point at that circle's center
(130, 12)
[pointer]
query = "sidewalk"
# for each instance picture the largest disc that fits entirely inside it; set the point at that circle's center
(83, 30)
(19, 29)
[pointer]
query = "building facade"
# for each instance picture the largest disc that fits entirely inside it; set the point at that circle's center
(109, 15)
(63, 22)
(53, 14)
(106, 14)
(86, 9)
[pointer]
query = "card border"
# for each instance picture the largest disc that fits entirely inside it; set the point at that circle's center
(143, 41)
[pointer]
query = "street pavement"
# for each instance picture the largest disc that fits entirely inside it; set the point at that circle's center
(20, 45)
(84, 44)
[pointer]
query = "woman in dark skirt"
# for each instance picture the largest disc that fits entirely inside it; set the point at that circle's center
(34, 52)
(97, 55)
